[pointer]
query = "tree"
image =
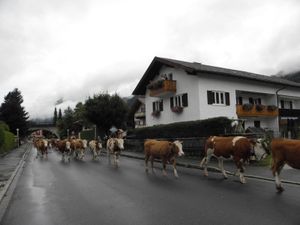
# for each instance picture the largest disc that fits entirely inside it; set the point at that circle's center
(55, 116)
(59, 114)
(13, 114)
(106, 111)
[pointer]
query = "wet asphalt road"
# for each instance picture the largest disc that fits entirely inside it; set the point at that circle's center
(87, 193)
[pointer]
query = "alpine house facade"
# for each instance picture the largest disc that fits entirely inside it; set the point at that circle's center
(178, 91)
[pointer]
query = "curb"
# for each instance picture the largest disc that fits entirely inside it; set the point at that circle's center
(215, 169)
(13, 178)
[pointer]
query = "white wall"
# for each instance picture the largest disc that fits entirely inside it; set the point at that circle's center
(184, 84)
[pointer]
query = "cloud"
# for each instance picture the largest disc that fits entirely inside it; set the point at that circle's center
(74, 49)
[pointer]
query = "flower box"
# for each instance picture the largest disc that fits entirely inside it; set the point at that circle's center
(177, 109)
(247, 107)
(155, 113)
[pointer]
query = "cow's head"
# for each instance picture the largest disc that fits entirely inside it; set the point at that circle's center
(261, 149)
(84, 143)
(119, 143)
(178, 145)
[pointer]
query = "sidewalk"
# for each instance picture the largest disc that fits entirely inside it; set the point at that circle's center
(288, 174)
(9, 162)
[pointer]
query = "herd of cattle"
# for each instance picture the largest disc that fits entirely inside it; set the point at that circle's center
(239, 148)
(77, 147)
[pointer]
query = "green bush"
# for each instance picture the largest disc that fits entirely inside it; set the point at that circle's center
(198, 128)
(4, 126)
(87, 134)
(1, 136)
(9, 142)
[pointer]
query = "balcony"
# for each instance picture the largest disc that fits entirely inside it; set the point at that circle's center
(289, 113)
(162, 88)
(249, 110)
(139, 115)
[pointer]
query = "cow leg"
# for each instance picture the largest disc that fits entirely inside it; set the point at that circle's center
(164, 163)
(276, 169)
(174, 168)
(63, 156)
(118, 158)
(81, 154)
(98, 154)
(152, 161)
(205, 164)
(221, 166)
(94, 154)
(239, 165)
(146, 163)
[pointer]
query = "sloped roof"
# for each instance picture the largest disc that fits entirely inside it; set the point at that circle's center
(194, 68)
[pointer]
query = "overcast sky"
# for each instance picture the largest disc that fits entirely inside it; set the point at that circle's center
(72, 49)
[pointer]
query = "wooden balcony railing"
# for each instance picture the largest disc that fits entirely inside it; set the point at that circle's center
(162, 88)
(256, 110)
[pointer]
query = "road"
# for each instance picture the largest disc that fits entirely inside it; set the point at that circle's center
(88, 193)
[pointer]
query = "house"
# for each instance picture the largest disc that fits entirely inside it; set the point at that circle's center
(178, 91)
(136, 114)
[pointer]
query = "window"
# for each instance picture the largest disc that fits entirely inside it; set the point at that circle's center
(157, 106)
(257, 123)
(251, 101)
(257, 101)
(179, 101)
(291, 104)
(218, 98)
(240, 101)
(282, 104)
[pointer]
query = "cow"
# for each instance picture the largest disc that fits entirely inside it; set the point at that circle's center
(78, 147)
(114, 146)
(284, 151)
(95, 147)
(64, 147)
(41, 146)
(165, 150)
(239, 148)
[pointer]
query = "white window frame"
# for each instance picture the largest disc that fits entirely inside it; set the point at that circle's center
(219, 98)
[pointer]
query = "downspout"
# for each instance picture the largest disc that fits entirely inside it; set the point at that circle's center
(277, 102)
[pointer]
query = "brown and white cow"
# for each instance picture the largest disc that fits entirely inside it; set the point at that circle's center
(114, 146)
(95, 147)
(284, 151)
(64, 147)
(239, 148)
(41, 146)
(78, 146)
(165, 150)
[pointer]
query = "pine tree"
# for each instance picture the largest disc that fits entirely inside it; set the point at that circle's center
(59, 114)
(55, 116)
(13, 114)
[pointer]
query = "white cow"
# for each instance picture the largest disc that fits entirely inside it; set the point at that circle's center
(95, 147)
(114, 147)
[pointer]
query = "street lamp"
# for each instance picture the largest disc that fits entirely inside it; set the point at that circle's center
(18, 137)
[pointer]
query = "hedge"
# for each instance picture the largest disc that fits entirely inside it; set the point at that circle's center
(198, 128)
(87, 134)
(8, 141)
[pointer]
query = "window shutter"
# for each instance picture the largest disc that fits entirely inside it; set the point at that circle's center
(210, 97)
(171, 102)
(153, 106)
(161, 105)
(227, 98)
(185, 100)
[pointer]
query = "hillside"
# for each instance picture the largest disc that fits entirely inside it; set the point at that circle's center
(292, 76)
